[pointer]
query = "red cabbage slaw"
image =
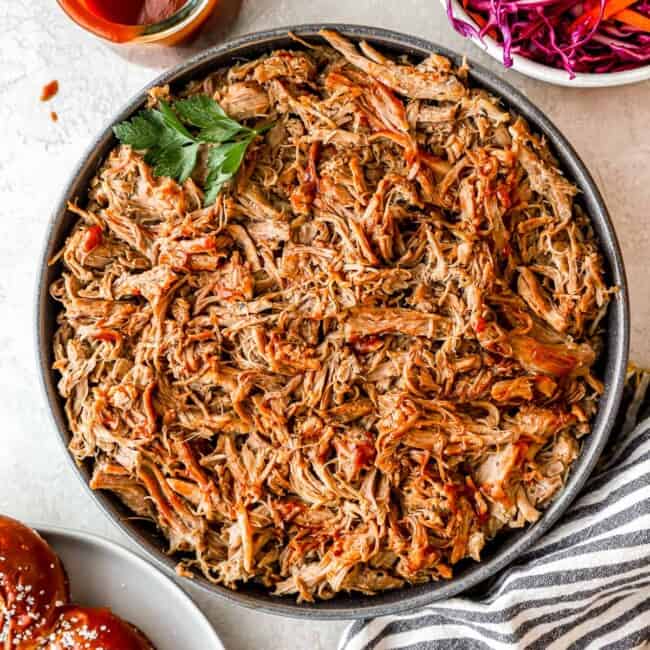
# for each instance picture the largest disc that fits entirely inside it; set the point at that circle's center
(551, 32)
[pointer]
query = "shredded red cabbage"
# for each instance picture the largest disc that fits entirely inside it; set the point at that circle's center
(546, 31)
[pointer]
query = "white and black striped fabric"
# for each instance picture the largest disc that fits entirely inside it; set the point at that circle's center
(586, 584)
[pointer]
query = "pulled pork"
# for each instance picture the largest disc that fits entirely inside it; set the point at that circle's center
(370, 355)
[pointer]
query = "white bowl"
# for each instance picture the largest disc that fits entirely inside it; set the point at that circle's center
(104, 574)
(545, 72)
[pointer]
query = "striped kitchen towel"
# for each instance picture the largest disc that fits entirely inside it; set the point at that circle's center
(586, 584)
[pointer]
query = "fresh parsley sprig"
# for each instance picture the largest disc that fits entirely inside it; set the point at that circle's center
(172, 149)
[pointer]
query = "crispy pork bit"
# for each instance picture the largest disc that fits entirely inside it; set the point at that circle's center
(371, 354)
(435, 82)
(245, 100)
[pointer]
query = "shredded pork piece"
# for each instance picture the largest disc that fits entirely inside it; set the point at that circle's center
(369, 356)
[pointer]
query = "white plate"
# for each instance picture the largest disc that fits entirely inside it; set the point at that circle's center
(103, 574)
(545, 72)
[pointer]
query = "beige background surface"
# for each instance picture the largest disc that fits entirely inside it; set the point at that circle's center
(609, 128)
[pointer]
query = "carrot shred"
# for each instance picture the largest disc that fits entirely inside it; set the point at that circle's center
(612, 7)
(481, 22)
(634, 19)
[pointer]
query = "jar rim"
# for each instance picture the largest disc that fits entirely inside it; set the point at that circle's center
(176, 19)
(100, 27)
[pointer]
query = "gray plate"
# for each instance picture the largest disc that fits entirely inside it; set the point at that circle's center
(104, 574)
(506, 548)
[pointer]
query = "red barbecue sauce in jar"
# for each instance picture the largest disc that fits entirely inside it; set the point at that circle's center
(165, 22)
(134, 12)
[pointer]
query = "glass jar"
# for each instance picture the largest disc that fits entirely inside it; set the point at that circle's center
(172, 30)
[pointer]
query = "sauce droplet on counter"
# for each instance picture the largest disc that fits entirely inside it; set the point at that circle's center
(49, 90)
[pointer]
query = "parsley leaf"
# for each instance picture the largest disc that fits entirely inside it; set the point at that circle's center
(141, 132)
(173, 123)
(229, 156)
(204, 112)
(223, 163)
(220, 132)
(176, 162)
(173, 150)
(200, 110)
(213, 185)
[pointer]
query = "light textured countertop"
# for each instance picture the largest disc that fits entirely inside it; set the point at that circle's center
(608, 127)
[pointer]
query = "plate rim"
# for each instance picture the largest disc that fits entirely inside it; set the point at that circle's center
(130, 556)
(618, 343)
